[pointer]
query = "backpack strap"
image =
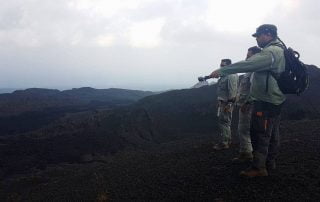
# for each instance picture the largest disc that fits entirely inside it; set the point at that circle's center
(270, 72)
(274, 75)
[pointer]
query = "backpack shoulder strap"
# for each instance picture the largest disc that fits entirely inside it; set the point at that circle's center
(270, 72)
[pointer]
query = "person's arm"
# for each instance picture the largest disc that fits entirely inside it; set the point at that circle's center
(259, 62)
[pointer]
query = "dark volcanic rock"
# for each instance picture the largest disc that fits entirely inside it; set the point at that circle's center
(177, 113)
(195, 172)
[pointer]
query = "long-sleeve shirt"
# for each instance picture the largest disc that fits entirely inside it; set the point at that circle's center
(271, 58)
(244, 88)
(227, 87)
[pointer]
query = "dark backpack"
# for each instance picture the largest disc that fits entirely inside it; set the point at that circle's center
(295, 78)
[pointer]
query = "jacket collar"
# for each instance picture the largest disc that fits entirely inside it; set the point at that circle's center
(273, 42)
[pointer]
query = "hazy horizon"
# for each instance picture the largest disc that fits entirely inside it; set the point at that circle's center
(140, 44)
(61, 88)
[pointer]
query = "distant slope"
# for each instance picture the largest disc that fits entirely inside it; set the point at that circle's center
(178, 112)
(35, 99)
(26, 110)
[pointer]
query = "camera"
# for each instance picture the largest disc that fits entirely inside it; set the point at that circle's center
(203, 78)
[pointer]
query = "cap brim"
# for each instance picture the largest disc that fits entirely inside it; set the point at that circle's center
(254, 35)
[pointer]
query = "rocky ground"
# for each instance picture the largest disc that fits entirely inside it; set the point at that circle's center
(187, 170)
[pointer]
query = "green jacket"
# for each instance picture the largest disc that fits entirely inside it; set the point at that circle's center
(227, 87)
(271, 58)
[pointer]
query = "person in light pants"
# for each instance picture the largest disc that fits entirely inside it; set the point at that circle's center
(227, 91)
(245, 111)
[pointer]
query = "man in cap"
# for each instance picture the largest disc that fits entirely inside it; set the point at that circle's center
(245, 109)
(226, 91)
(266, 96)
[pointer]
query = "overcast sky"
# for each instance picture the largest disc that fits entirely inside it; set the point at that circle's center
(140, 44)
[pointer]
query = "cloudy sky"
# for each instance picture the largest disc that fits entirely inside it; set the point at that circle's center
(140, 44)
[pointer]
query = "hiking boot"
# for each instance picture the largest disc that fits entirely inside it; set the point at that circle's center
(254, 172)
(220, 146)
(243, 157)
(271, 165)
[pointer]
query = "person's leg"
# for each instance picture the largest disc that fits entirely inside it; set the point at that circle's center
(261, 129)
(245, 150)
(225, 128)
(265, 132)
(274, 145)
(244, 131)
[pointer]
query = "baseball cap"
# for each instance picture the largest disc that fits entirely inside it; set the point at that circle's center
(266, 28)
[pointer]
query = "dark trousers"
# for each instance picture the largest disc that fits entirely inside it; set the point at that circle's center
(264, 132)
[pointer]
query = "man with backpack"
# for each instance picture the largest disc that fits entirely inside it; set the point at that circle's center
(266, 96)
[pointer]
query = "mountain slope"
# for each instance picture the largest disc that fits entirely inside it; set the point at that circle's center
(27, 110)
(37, 99)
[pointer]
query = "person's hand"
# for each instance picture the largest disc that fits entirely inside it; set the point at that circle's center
(215, 74)
(228, 107)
